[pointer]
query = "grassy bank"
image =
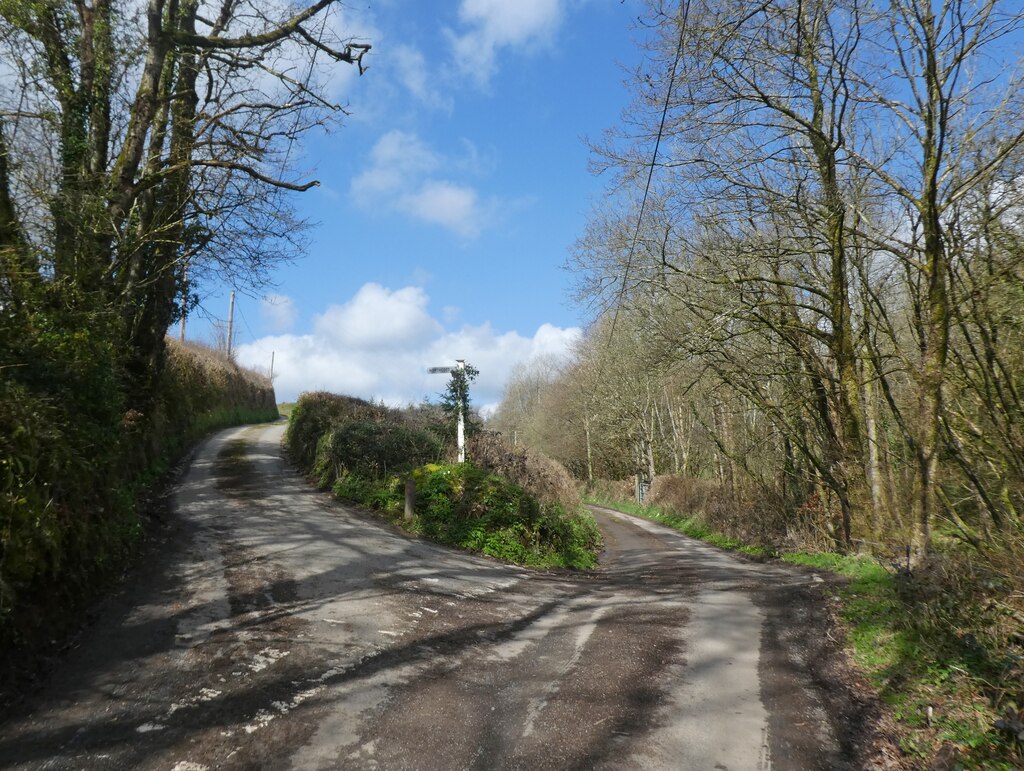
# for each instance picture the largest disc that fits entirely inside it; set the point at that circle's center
(505, 504)
(935, 644)
(75, 462)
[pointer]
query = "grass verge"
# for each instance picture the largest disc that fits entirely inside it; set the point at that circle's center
(688, 525)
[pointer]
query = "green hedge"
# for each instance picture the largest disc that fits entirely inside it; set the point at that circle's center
(74, 459)
(364, 453)
(372, 449)
(316, 413)
(469, 507)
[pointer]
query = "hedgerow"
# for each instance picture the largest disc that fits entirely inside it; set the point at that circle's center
(365, 453)
(74, 459)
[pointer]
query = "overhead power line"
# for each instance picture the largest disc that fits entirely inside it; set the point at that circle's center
(684, 13)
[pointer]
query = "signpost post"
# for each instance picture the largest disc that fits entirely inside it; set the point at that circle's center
(460, 364)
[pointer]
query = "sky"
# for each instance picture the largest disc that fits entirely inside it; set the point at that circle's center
(448, 201)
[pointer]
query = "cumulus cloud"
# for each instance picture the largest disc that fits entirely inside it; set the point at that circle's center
(378, 318)
(397, 160)
(402, 174)
(490, 25)
(380, 343)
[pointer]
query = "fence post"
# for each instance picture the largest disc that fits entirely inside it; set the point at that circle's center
(410, 497)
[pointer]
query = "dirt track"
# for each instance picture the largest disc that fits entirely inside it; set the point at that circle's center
(277, 628)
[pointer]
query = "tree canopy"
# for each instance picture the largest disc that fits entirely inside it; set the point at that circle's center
(146, 145)
(808, 263)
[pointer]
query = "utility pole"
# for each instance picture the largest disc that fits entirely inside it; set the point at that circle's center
(231, 321)
(272, 366)
(184, 302)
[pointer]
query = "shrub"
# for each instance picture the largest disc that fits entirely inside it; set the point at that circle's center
(545, 479)
(684, 495)
(316, 413)
(387, 495)
(60, 431)
(372, 449)
(468, 506)
(611, 490)
(362, 452)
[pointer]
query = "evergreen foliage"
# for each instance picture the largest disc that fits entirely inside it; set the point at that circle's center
(455, 399)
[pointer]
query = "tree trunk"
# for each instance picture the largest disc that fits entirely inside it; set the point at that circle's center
(935, 333)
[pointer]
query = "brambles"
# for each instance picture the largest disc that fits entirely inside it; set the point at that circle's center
(544, 478)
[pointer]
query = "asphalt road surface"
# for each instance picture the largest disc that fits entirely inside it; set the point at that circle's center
(276, 628)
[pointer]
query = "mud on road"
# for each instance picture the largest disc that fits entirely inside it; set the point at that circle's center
(277, 628)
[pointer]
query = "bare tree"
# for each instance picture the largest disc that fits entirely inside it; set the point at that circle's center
(799, 234)
(751, 206)
(944, 85)
(173, 125)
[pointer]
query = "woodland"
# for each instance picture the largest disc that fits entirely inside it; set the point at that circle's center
(812, 296)
(808, 285)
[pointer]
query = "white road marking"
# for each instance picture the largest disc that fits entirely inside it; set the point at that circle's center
(265, 658)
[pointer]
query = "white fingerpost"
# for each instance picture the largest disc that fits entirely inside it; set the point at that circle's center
(461, 432)
(460, 436)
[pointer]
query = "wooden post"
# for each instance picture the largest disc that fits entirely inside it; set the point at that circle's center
(231, 322)
(410, 497)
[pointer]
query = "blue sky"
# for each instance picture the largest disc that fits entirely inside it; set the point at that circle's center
(448, 200)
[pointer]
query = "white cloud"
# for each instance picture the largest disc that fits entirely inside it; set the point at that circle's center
(279, 312)
(397, 160)
(377, 318)
(413, 72)
(380, 343)
(455, 207)
(401, 176)
(495, 24)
